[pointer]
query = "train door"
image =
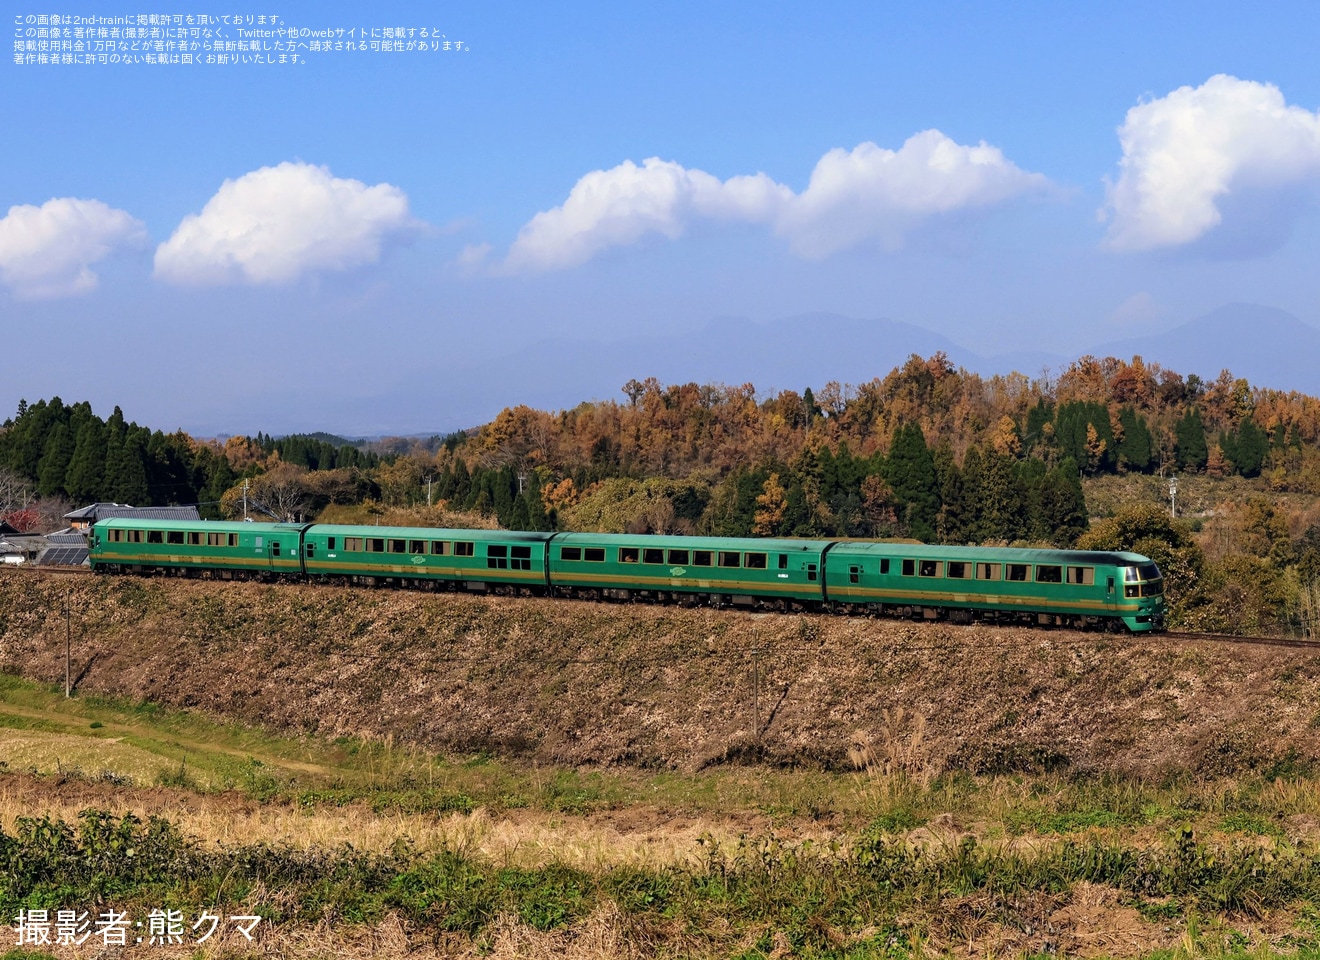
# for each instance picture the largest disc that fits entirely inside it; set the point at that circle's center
(1111, 595)
(266, 549)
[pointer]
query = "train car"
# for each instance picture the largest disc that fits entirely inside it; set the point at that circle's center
(1065, 587)
(479, 560)
(188, 547)
(962, 584)
(719, 570)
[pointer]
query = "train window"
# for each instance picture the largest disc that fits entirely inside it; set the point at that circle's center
(931, 568)
(652, 555)
(884, 565)
(678, 558)
(594, 554)
(811, 571)
(1152, 589)
(311, 550)
(987, 571)
(233, 539)
(755, 561)
(1082, 575)
(570, 553)
(134, 536)
(439, 547)
(701, 558)
(909, 568)
(783, 561)
(174, 536)
(465, 548)
(194, 538)
(353, 544)
(153, 536)
(959, 570)
(629, 555)
(1049, 574)
(1131, 590)
(259, 542)
(520, 558)
(730, 559)
(330, 543)
(497, 556)
(416, 546)
(1130, 574)
(375, 544)
(854, 574)
(1017, 571)
(398, 546)
(274, 548)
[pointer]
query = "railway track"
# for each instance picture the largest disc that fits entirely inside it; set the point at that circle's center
(1233, 638)
(1294, 642)
(27, 570)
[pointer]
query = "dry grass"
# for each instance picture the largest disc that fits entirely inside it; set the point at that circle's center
(522, 838)
(63, 753)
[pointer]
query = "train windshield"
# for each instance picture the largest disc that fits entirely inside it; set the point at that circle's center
(1154, 582)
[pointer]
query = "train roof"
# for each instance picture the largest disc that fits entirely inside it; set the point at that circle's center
(777, 545)
(984, 554)
(228, 526)
(425, 533)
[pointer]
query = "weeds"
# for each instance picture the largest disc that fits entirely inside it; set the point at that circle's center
(814, 899)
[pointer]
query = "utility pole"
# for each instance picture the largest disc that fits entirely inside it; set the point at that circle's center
(245, 489)
(1173, 498)
(68, 644)
(756, 694)
(428, 490)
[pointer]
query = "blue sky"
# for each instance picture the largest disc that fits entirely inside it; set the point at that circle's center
(354, 243)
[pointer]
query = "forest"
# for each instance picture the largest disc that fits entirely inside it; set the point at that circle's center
(928, 452)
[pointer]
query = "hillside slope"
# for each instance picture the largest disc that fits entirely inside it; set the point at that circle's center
(579, 683)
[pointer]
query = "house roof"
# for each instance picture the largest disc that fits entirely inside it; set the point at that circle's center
(105, 511)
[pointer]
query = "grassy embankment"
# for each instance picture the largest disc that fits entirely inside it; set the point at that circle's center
(375, 830)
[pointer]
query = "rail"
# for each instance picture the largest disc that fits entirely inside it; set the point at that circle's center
(1235, 638)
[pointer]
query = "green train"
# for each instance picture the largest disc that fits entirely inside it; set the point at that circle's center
(961, 584)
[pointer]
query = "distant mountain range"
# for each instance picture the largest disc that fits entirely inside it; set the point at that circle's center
(1269, 347)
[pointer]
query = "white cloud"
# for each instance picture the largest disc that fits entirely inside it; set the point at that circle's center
(871, 192)
(48, 251)
(613, 208)
(275, 224)
(852, 197)
(1187, 155)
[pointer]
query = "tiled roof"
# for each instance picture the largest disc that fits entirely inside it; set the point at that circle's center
(106, 511)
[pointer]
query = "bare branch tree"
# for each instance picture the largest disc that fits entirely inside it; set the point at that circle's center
(15, 492)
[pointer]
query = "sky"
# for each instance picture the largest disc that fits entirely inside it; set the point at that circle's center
(370, 242)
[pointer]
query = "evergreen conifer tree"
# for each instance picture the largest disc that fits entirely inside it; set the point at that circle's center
(1136, 450)
(912, 476)
(54, 463)
(1190, 443)
(87, 468)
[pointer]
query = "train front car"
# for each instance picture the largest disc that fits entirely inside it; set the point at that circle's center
(998, 585)
(1143, 603)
